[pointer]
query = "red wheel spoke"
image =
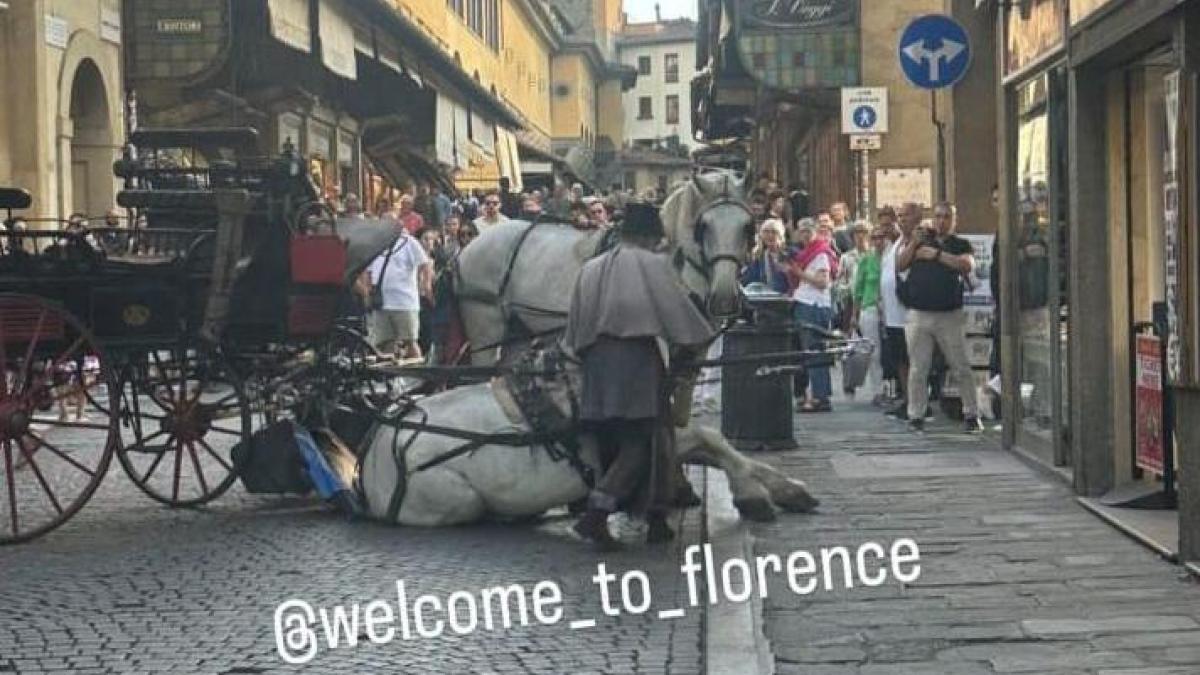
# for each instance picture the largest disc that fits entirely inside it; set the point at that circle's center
(164, 380)
(199, 472)
(37, 334)
(62, 455)
(155, 463)
(175, 483)
(227, 432)
(70, 425)
(209, 450)
(146, 440)
(38, 473)
(4, 362)
(12, 488)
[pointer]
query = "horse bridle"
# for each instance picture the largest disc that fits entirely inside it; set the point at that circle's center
(705, 265)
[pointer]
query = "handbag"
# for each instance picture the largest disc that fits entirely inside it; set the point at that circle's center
(375, 301)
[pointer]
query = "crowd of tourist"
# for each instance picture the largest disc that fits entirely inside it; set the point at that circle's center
(897, 283)
(407, 289)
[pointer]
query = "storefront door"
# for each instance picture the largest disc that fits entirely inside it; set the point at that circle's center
(1039, 250)
(1151, 90)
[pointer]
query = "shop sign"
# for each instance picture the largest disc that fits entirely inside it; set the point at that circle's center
(796, 45)
(798, 13)
(57, 31)
(110, 25)
(179, 26)
(1171, 215)
(1149, 403)
(1031, 32)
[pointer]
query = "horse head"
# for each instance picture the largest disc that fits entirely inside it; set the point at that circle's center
(713, 229)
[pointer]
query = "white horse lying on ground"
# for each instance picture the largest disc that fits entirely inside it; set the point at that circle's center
(506, 482)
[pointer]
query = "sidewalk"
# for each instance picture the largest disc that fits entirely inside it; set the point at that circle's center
(1016, 577)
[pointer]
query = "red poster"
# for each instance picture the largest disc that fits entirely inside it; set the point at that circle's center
(1149, 404)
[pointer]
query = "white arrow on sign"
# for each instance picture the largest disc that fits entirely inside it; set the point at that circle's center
(919, 54)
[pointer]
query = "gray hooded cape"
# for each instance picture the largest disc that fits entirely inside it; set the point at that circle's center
(631, 292)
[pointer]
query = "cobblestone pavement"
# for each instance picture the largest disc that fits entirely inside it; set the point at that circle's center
(129, 586)
(1016, 577)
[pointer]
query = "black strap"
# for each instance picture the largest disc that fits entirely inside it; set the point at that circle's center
(388, 259)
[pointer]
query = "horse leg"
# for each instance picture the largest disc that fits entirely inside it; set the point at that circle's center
(699, 445)
(787, 493)
(440, 497)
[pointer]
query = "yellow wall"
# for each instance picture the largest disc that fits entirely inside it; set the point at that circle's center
(519, 72)
(454, 36)
(526, 59)
(578, 107)
(610, 112)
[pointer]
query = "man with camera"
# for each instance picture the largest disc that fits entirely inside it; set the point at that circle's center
(939, 264)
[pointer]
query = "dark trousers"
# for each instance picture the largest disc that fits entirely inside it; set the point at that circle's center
(637, 471)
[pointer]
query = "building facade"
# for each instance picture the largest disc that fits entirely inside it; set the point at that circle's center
(358, 88)
(62, 122)
(658, 124)
(775, 83)
(1099, 254)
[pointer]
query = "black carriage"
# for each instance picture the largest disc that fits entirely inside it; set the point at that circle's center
(167, 341)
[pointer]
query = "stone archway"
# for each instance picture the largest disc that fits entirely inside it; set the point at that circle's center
(91, 143)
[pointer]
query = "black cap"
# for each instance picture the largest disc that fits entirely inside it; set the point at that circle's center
(642, 219)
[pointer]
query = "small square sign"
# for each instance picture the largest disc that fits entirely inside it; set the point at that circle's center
(864, 110)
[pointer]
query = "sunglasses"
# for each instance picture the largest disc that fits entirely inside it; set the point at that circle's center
(492, 203)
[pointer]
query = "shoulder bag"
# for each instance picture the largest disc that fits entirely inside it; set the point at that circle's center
(376, 300)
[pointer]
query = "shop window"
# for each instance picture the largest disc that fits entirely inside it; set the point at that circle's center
(645, 108)
(289, 128)
(673, 109)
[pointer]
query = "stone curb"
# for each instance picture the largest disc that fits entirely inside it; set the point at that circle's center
(734, 642)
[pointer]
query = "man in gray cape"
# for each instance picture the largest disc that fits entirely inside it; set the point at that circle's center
(628, 313)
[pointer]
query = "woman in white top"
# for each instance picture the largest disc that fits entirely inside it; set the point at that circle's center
(814, 269)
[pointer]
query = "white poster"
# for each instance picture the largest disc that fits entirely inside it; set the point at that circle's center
(895, 187)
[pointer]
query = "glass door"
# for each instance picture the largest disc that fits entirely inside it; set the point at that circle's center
(1039, 249)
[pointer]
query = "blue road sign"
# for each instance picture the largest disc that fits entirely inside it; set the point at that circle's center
(935, 52)
(865, 117)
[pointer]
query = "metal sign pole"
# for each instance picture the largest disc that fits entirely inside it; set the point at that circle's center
(864, 184)
(940, 126)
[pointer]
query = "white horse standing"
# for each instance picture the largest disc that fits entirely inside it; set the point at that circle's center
(518, 272)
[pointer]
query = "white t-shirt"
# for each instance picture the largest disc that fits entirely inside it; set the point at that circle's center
(400, 292)
(482, 223)
(895, 314)
(811, 295)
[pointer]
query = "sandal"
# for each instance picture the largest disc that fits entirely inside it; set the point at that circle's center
(816, 407)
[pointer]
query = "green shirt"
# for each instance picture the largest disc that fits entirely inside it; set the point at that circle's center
(866, 280)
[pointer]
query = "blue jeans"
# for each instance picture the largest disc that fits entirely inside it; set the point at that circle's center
(818, 376)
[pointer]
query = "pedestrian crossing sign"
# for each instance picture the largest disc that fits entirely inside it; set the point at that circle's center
(864, 110)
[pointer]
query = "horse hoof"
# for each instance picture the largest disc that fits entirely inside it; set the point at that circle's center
(756, 510)
(798, 502)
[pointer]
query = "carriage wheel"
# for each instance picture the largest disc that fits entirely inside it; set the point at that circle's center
(182, 411)
(54, 447)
